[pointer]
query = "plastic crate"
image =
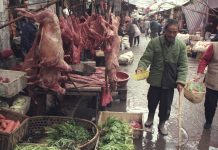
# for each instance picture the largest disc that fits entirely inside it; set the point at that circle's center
(125, 116)
(9, 140)
(17, 82)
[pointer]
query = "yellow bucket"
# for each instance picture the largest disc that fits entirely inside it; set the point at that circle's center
(141, 76)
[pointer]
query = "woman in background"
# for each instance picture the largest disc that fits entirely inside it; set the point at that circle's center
(137, 33)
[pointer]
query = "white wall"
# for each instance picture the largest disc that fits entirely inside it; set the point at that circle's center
(4, 33)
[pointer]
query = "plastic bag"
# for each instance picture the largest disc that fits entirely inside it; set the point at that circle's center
(196, 87)
(195, 91)
(141, 76)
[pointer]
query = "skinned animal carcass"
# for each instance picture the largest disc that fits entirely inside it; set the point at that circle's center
(44, 62)
(92, 32)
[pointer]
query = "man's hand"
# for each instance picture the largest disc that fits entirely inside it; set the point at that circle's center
(180, 87)
(138, 71)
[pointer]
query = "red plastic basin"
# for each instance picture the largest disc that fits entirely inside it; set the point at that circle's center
(122, 78)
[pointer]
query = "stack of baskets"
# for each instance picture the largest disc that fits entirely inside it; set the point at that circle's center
(9, 140)
(32, 125)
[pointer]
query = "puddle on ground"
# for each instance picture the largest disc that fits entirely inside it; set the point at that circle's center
(152, 140)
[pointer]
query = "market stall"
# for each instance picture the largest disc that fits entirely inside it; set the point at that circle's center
(53, 67)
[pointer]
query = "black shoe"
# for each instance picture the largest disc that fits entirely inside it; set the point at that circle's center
(207, 125)
(148, 125)
(162, 129)
(149, 121)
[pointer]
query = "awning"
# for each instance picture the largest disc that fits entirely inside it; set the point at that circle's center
(157, 5)
(213, 3)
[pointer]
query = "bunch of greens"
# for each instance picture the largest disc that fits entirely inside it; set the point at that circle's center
(31, 146)
(67, 135)
(196, 87)
(116, 135)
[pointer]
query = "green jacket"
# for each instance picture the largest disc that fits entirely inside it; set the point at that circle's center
(175, 53)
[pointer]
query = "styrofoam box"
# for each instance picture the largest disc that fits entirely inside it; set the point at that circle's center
(17, 82)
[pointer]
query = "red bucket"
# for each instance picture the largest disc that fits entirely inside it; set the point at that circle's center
(122, 78)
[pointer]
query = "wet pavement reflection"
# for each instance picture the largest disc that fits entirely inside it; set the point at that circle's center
(193, 136)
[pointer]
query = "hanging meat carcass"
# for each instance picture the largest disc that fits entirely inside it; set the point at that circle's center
(91, 33)
(45, 60)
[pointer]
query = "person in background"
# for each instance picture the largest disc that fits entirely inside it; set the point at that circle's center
(28, 33)
(130, 31)
(121, 30)
(147, 28)
(142, 25)
(154, 27)
(159, 28)
(137, 33)
(23, 20)
(161, 50)
(216, 36)
(208, 30)
(209, 59)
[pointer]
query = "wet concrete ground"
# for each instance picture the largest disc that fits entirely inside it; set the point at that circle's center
(194, 137)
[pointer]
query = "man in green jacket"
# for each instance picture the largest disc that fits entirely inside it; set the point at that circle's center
(161, 50)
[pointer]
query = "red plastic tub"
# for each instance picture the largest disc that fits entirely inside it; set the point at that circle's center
(122, 78)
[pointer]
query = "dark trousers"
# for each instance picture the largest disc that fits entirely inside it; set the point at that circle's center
(163, 97)
(131, 37)
(146, 32)
(210, 104)
(136, 40)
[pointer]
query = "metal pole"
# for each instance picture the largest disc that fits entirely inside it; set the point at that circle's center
(16, 19)
(58, 9)
(180, 117)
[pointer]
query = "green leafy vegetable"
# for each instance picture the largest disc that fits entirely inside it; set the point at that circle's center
(31, 146)
(196, 87)
(116, 135)
(67, 135)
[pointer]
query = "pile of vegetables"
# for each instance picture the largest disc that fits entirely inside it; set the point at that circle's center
(65, 136)
(116, 135)
(4, 104)
(20, 104)
(196, 87)
(35, 147)
(7, 125)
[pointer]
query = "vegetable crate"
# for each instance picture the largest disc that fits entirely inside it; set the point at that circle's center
(16, 82)
(125, 116)
(9, 140)
(36, 126)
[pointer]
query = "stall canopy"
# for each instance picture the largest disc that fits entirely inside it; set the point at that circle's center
(196, 14)
(213, 3)
(158, 5)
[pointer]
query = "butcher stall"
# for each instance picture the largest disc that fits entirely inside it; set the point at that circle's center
(60, 73)
(59, 44)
